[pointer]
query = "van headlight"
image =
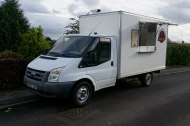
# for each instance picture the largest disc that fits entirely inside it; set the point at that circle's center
(54, 75)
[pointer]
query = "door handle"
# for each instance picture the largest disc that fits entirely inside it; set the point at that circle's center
(111, 63)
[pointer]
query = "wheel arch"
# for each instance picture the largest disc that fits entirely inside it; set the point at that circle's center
(90, 80)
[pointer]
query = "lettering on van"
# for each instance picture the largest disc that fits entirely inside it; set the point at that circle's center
(162, 36)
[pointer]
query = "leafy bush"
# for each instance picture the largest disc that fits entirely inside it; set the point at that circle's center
(178, 54)
(12, 69)
(10, 55)
(12, 73)
(33, 43)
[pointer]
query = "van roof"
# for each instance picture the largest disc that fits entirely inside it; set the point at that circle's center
(123, 12)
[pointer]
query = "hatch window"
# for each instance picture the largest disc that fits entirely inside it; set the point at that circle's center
(147, 34)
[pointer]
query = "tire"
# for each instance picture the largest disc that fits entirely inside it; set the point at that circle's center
(146, 79)
(81, 94)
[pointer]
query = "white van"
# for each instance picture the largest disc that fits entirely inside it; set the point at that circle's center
(110, 46)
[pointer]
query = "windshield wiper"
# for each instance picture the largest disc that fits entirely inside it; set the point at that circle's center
(54, 54)
(64, 54)
(71, 55)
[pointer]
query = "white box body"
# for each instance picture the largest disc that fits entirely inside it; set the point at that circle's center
(130, 60)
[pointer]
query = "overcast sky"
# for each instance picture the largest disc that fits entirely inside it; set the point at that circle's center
(53, 15)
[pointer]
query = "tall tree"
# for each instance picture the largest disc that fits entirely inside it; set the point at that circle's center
(73, 27)
(12, 25)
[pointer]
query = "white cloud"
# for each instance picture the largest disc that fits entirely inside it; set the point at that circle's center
(180, 33)
(91, 3)
(33, 6)
(53, 26)
(177, 11)
(53, 15)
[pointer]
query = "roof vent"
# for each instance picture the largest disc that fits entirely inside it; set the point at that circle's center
(95, 11)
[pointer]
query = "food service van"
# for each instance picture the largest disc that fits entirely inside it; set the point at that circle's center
(110, 46)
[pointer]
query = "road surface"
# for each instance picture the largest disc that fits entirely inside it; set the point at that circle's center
(165, 103)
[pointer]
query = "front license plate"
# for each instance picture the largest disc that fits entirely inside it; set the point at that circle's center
(32, 86)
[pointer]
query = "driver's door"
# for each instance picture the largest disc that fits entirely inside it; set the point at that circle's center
(102, 70)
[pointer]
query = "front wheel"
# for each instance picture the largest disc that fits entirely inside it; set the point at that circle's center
(82, 94)
(146, 79)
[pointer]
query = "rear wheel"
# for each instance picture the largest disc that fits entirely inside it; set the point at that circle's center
(82, 94)
(146, 79)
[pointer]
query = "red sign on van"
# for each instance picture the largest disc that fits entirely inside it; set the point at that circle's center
(162, 36)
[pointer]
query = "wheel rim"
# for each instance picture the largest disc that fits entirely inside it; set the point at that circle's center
(83, 94)
(148, 79)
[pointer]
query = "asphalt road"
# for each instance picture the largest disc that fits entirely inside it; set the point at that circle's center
(165, 103)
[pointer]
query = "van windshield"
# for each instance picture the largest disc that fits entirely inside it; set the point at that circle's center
(71, 46)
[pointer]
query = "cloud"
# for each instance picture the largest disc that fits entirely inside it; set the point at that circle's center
(180, 33)
(56, 11)
(33, 6)
(74, 10)
(53, 26)
(183, 4)
(178, 12)
(53, 15)
(91, 3)
(81, 7)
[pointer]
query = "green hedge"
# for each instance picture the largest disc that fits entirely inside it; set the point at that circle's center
(12, 69)
(178, 54)
(10, 55)
(12, 73)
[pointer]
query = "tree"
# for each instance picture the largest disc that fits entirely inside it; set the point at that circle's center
(48, 39)
(33, 43)
(73, 27)
(12, 25)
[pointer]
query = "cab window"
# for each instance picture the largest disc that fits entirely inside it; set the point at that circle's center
(103, 50)
(100, 52)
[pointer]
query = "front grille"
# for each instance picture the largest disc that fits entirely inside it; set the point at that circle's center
(36, 75)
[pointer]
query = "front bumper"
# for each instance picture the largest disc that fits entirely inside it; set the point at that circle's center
(47, 89)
